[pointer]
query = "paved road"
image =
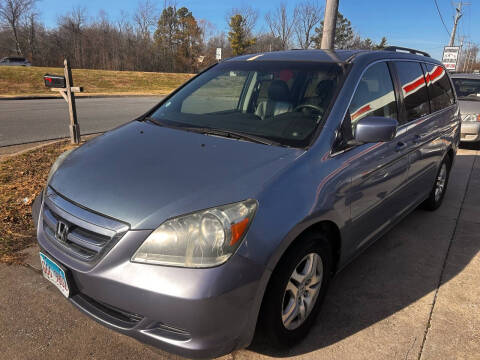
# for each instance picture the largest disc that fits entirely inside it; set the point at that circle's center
(412, 295)
(24, 121)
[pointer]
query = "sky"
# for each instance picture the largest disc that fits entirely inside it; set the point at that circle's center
(410, 23)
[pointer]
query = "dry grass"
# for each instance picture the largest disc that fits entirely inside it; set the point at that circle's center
(22, 178)
(27, 81)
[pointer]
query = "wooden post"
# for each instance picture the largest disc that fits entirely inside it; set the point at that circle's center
(72, 109)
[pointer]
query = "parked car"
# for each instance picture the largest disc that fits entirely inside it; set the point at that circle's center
(230, 205)
(14, 61)
(468, 92)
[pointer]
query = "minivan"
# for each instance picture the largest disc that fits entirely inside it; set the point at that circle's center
(228, 207)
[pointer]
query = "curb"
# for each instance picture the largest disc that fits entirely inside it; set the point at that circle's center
(47, 97)
(39, 144)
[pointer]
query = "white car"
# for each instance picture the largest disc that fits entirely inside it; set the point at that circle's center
(467, 87)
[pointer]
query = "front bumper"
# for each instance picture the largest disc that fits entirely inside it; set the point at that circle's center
(191, 312)
(470, 132)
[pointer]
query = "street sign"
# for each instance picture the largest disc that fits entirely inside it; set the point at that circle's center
(450, 57)
(218, 54)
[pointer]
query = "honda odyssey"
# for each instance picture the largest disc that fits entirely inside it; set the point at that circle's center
(229, 206)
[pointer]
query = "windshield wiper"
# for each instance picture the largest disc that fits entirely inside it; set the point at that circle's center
(233, 134)
(218, 132)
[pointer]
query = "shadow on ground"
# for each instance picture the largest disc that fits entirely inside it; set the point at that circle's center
(394, 273)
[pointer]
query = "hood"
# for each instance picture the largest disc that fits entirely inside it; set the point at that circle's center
(469, 106)
(143, 174)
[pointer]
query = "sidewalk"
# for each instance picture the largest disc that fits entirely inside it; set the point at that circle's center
(413, 295)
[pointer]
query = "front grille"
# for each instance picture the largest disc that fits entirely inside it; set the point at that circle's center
(77, 231)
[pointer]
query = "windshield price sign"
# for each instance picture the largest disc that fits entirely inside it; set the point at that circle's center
(450, 57)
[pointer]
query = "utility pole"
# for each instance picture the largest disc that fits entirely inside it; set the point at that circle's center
(458, 15)
(329, 24)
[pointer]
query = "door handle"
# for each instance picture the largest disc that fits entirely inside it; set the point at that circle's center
(400, 146)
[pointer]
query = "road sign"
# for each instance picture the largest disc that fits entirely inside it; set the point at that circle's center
(450, 57)
(218, 54)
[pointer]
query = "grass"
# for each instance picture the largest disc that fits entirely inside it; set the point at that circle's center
(28, 81)
(22, 178)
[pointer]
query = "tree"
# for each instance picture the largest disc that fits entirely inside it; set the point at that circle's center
(179, 39)
(382, 44)
(281, 25)
(308, 15)
(12, 12)
(189, 36)
(70, 35)
(344, 34)
(238, 35)
(144, 18)
(266, 42)
(165, 36)
(249, 15)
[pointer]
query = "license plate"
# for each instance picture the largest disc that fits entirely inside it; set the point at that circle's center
(55, 274)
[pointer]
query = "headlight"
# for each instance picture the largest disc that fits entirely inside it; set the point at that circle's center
(57, 164)
(471, 117)
(202, 239)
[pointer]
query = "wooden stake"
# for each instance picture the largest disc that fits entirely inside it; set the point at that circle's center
(72, 109)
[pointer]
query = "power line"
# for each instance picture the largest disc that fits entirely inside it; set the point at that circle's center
(441, 17)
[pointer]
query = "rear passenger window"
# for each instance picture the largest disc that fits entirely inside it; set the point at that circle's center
(374, 95)
(439, 87)
(414, 89)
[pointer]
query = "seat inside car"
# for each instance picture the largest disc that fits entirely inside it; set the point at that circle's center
(277, 102)
(323, 94)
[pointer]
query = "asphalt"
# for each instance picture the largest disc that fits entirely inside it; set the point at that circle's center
(25, 121)
(414, 294)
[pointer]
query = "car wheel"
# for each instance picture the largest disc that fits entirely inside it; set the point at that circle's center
(437, 193)
(296, 290)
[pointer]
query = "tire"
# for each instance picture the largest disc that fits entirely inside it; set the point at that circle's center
(439, 188)
(278, 299)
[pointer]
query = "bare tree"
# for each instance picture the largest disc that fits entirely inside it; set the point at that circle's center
(249, 14)
(281, 25)
(145, 17)
(71, 30)
(308, 14)
(30, 29)
(207, 28)
(11, 12)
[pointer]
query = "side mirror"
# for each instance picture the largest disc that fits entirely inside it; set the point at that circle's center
(375, 129)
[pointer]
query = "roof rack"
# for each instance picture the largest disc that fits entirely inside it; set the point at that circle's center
(411, 51)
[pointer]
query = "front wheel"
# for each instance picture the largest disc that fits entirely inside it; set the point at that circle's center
(437, 193)
(296, 290)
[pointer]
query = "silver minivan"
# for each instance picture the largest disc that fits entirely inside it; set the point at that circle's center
(229, 206)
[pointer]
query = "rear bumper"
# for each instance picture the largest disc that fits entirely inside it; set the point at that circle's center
(470, 132)
(191, 312)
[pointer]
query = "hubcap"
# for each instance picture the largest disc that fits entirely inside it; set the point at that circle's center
(440, 182)
(302, 290)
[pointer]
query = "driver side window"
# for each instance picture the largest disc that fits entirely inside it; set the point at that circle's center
(375, 96)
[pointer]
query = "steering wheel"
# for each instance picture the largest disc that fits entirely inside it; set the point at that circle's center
(309, 106)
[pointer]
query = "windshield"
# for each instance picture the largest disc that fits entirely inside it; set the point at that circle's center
(280, 101)
(467, 89)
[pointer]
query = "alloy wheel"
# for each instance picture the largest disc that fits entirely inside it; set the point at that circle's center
(302, 291)
(440, 182)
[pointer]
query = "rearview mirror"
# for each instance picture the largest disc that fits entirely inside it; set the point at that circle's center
(375, 129)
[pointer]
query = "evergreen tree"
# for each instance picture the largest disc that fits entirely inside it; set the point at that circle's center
(238, 35)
